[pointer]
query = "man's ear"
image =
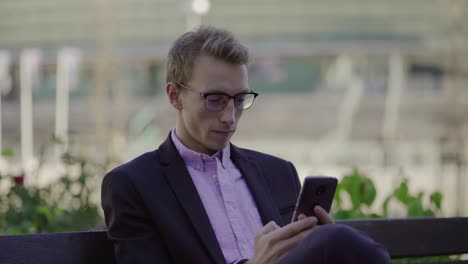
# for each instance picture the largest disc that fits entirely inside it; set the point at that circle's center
(174, 95)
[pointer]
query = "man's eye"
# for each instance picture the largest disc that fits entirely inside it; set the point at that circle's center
(215, 98)
(241, 98)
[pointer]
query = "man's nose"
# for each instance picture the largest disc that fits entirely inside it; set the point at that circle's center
(228, 114)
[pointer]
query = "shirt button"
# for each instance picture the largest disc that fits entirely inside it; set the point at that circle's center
(244, 246)
(231, 208)
(213, 176)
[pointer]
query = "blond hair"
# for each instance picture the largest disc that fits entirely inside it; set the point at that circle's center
(205, 40)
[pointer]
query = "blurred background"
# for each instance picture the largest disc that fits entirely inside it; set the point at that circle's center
(375, 91)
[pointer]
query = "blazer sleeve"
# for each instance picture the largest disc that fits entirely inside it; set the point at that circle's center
(295, 179)
(135, 238)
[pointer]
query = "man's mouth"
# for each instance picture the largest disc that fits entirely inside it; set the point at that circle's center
(224, 132)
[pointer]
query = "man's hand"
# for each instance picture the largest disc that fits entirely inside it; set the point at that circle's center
(322, 215)
(273, 242)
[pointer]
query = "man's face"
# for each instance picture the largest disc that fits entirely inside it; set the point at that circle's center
(207, 131)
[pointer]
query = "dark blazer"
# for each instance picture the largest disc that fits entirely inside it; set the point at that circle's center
(155, 215)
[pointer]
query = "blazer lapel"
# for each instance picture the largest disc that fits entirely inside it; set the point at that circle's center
(258, 186)
(179, 179)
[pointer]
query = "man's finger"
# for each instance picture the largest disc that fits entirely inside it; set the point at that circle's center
(323, 216)
(285, 246)
(301, 216)
(293, 228)
(270, 227)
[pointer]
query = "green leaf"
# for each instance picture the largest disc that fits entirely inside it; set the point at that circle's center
(428, 213)
(436, 199)
(13, 231)
(45, 211)
(367, 191)
(337, 198)
(7, 153)
(385, 206)
(375, 215)
(82, 178)
(341, 214)
(415, 208)
(401, 193)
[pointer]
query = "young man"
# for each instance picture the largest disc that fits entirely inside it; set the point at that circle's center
(200, 199)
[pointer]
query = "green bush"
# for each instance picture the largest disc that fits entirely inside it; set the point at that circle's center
(66, 205)
(361, 193)
(62, 206)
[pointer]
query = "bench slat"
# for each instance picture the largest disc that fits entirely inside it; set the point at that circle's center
(417, 237)
(71, 248)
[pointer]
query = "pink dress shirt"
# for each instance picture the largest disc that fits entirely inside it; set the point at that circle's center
(226, 198)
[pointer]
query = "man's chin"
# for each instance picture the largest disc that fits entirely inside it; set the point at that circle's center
(218, 147)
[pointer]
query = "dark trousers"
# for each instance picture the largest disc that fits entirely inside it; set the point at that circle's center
(337, 244)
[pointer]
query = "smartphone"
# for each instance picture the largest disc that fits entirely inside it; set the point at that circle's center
(316, 190)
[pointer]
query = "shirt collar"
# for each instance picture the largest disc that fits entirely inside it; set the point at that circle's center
(197, 160)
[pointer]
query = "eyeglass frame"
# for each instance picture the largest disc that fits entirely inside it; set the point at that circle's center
(205, 95)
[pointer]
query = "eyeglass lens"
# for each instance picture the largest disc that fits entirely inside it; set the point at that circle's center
(216, 102)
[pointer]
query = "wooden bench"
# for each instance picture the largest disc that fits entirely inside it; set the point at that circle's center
(417, 237)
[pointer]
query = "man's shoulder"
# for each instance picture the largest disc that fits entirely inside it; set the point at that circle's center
(143, 163)
(280, 174)
(136, 174)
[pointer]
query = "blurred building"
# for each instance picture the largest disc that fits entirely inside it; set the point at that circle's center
(287, 36)
(409, 59)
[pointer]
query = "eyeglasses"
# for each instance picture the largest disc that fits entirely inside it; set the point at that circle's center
(215, 102)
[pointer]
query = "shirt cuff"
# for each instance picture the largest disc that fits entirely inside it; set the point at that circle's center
(239, 261)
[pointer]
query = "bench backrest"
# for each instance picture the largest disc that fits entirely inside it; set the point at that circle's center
(71, 248)
(403, 238)
(417, 237)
